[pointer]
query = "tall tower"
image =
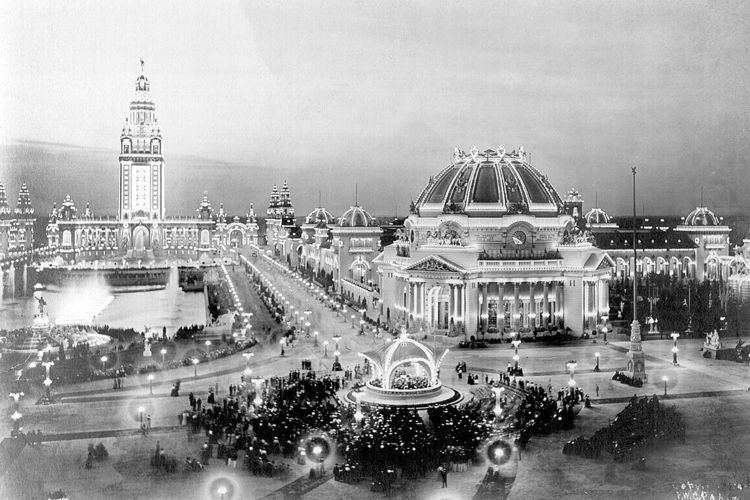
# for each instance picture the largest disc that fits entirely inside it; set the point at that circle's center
(25, 218)
(141, 160)
(5, 223)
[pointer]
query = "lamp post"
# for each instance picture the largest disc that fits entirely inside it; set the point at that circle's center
(208, 346)
(572, 382)
(103, 359)
(353, 317)
(325, 348)
(16, 416)
(195, 367)
(140, 412)
(358, 414)
(315, 339)
(336, 355)
(48, 381)
(247, 356)
(674, 336)
(596, 368)
(336, 338)
(258, 382)
(163, 353)
(665, 379)
(151, 383)
(498, 410)
(222, 491)
(516, 357)
(16, 396)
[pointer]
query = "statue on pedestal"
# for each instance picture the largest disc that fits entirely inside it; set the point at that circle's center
(147, 348)
(712, 342)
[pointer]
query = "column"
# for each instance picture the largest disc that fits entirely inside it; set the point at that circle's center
(559, 307)
(514, 310)
(420, 299)
(545, 303)
(605, 298)
(484, 306)
(532, 305)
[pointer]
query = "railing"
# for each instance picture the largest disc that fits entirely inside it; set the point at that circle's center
(364, 286)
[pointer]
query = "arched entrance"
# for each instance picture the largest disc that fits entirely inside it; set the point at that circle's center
(236, 239)
(140, 239)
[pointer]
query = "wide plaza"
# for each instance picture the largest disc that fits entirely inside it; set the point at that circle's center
(711, 395)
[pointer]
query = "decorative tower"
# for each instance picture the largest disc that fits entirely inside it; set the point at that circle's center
(141, 160)
(5, 221)
(273, 204)
(24, 220)
(251, 226)
(573, 206)
(286, 207)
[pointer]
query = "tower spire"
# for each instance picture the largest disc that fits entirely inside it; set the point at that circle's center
(142, 63)
(701, 196)
(356, 194)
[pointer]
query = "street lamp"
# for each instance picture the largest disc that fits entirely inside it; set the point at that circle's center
(516, 357)
(163, 353)
(195, 367)
(15, 417)
(596, 368)
(665, 379)
(336, 338)
(498, 410)
(358, 414)
(674, 336)
(572, 369)
(222, 491)
(150, 383)
(325, 348)
(336, 355)
(247, 356)
(140, 411)
(258, 383)
(315, 339)
(103, 359)
(208, 345)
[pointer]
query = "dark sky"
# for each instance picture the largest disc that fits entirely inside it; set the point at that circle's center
(377, 94)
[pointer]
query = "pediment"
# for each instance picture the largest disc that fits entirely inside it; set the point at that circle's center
(435, 264)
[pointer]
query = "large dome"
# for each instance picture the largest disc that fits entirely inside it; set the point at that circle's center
(356, 216)
(702, 216)
(489, 183)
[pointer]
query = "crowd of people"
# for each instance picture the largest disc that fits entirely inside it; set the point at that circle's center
(642, 421)
(540, 413)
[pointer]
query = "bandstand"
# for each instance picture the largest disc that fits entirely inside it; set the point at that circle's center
(405, 373)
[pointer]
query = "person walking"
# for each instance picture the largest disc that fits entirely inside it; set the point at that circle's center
(597, 390)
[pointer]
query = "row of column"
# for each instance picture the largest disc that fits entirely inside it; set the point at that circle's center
(419, 305)
(516, 321)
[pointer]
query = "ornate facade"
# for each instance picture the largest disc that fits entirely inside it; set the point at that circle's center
(142, 231)
(489, 247)
(16, 226)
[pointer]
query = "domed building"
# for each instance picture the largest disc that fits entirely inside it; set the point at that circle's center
(711, 238)
(489, 248)
(356, 239)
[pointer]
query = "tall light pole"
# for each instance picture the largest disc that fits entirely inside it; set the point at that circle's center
(596, 368)
(163, 353)
(665, 379)
(636, 361)
(195, 367)
(103, 359)
(572, 382)
(674, 336)
(325, 348)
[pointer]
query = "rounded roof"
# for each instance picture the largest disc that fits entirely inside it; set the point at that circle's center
(489, 183)
(320, 216)
(701, 216)
(597, 216)
(356, 216)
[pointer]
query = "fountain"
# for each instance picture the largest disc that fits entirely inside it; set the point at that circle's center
(406, 374)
